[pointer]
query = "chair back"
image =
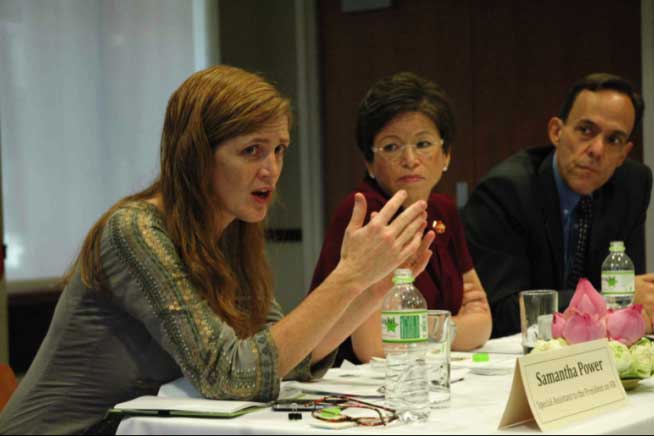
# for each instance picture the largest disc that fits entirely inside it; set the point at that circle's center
(8, 384)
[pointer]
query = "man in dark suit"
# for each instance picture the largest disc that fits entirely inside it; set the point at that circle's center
(545, 217)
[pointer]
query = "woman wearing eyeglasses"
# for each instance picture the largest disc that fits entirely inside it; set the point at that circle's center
(405, 132)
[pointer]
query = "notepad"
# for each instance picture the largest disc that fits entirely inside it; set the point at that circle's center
(186, 407)
(341, 386)
(352, 380)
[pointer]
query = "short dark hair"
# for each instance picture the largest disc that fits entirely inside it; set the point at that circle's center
(604, 81)
(398, 94)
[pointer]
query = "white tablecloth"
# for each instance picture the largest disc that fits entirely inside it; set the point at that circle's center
(476, 408)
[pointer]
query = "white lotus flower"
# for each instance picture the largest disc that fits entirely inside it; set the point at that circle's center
(622, 356)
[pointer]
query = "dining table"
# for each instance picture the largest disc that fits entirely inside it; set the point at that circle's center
(478, 400)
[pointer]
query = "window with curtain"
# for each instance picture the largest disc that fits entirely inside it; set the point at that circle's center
(83, 89)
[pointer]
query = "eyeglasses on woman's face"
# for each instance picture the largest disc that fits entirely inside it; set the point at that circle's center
(394, 151)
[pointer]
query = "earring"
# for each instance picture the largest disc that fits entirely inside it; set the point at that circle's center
(372, 176)
(444, 169)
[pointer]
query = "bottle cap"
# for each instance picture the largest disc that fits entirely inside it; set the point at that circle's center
(403, 275)
(617, 247)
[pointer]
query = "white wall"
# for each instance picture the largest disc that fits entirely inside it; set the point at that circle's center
(647, 29)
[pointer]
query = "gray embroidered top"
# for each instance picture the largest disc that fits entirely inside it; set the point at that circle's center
(152, 327)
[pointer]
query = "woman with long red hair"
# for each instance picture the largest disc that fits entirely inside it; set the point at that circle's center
(173, 281)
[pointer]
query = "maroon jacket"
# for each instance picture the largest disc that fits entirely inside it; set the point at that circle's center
(442, 281)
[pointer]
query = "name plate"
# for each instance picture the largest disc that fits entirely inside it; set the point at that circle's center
(556, 388)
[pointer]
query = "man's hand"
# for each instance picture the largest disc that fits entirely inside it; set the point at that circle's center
(645, 295)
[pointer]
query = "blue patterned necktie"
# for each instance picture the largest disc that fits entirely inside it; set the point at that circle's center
(583, 220)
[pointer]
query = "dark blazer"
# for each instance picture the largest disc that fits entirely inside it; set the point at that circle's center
(515, 235)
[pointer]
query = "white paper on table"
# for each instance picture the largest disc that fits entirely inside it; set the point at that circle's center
(464, 360)
(336, 385)
(494, 367)
(377, 372)
(365, 373)
(497, 364)
(506, 345)
(180, 388)
(357, 380)
(457, 374)
(349, 379)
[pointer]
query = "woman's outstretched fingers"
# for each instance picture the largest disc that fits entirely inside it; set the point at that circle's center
(423, 254)
(411, 248)
(427, 240)
(358, 213)
(391, 207)
(418, 225)
(416, 210)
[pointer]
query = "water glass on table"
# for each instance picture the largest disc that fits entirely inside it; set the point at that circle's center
(537, 309)
(440, 328)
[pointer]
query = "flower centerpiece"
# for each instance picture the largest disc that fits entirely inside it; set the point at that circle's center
(587, 318)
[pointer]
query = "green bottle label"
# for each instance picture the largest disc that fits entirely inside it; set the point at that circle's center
(618, 282)
(403, 327)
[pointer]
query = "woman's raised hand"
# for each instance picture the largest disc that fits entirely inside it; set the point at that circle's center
(371, 252)
(418, 261)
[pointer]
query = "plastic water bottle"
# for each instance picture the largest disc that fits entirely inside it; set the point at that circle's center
(618, 277)
(404, 335)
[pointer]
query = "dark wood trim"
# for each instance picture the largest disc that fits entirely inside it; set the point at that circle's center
(37, 296)
(30, 310)
(284, 235)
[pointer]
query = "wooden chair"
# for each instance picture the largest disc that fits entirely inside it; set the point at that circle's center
(8, 384)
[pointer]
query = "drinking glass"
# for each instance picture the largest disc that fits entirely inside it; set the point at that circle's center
(440, 328)
(537, 309)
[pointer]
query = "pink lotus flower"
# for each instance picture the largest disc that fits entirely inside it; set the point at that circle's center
(586, 300)
(583, 327)
(587, 318)
(558, 324)
(626, 325)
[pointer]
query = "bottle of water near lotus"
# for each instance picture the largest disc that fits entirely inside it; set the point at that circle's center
(618, 277)
(404, 336)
